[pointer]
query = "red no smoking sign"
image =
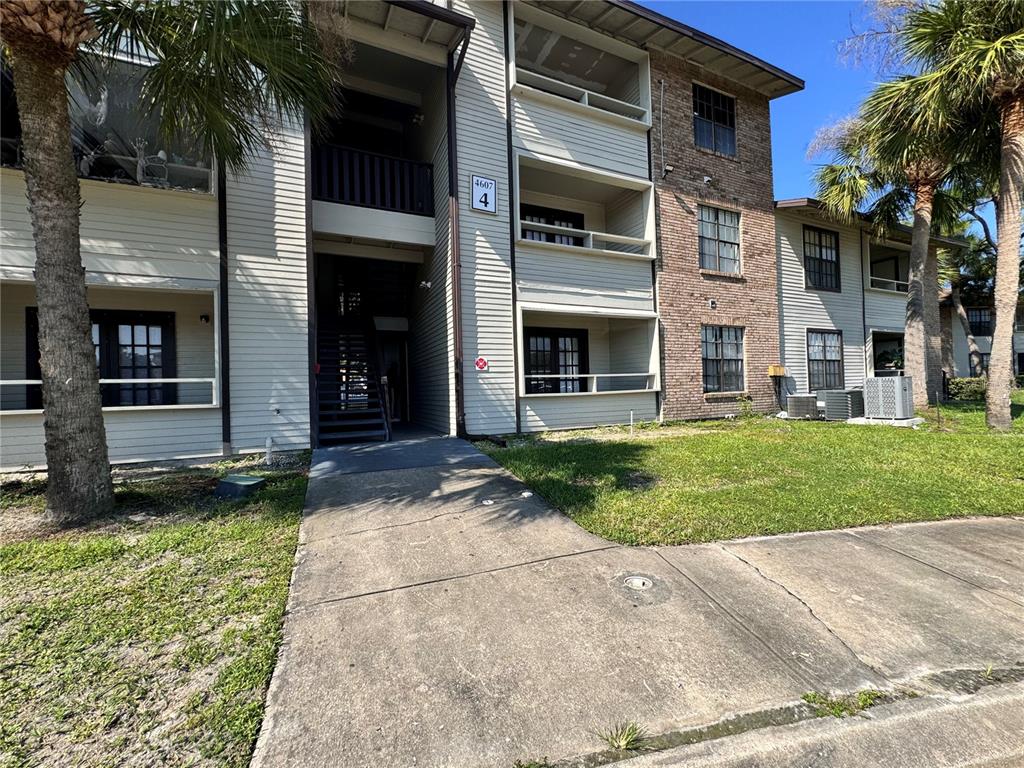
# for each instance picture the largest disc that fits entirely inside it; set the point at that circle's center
(481, 364)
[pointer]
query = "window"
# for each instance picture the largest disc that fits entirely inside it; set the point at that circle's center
(986, 358)
(1018, 320)
(980, 319)
(552, 217)
(128, 345)
(821, 259)
(824, 360)
(714, 120)
(722, 357)
(719, 239)
(555, 352)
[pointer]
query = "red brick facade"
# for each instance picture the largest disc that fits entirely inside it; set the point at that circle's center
(743, 184)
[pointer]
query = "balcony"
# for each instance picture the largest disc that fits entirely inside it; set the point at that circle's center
(580, 352)
(113, 136)
(370, 180)
(889, 269)
(597, 74)
(576, 210)
(155, 349)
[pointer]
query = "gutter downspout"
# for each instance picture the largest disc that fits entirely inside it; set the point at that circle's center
(455, 60)
(864, 314)
(223, 329)
(513, 200)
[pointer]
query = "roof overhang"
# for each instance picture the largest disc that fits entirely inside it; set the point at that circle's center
(640, 26)
(815, 205)
(415, 28)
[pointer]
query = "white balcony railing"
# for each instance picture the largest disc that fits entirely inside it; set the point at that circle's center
(592, 383)
(605, 242)
(887, 284)
(582, 96)
(214, 400)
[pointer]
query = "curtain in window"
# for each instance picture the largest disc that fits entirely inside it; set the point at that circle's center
(722, 358)
(719, 239)
(824, 360)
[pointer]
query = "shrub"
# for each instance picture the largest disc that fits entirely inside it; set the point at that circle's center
(968, 388)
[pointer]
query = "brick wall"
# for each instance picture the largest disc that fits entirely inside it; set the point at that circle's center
(742, 184)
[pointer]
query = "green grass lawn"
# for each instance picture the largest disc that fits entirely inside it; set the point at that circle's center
(745, 477)
(147, 638)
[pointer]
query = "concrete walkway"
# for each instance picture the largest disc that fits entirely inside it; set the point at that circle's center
(440, 615)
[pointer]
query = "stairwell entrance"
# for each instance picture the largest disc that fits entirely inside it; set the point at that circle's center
(363, 379)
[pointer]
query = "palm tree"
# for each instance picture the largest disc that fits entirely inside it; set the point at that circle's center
(968, 59)
(894, 183)
(224, 71)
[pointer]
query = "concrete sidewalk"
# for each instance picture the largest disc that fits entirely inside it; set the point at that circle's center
(440, 615)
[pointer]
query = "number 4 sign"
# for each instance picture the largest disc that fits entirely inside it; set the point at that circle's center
(484, 194)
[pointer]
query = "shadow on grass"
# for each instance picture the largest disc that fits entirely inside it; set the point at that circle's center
(572, 479)
(181, 496)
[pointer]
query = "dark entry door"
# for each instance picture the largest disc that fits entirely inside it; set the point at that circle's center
(394, 355)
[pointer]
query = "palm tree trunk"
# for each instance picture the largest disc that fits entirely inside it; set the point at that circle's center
(1008, 222)
(972, 343)
(917, 340)
(76, 449)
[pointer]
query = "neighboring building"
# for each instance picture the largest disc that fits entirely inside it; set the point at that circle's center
(982, 320)
(472, 248)
(843, 299)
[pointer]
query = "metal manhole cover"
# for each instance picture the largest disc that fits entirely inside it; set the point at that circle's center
(638, 583)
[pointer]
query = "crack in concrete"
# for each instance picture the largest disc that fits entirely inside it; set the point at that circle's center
(803, 677)
(443, 579)
(940, 569)
(809, 610)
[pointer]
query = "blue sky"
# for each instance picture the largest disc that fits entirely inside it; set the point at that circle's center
(801, 38)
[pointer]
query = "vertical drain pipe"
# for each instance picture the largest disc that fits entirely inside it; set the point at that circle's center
(223, 329)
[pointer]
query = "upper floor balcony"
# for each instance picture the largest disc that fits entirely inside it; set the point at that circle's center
(888, 268)
(594, 72)
(372, 169)
(114, 136)
(351, 176)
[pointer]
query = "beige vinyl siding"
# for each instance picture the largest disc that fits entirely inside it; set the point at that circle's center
(125, 229)
(804, 308)
(269, 356)
(580, 411)
(627, 215)
(432, 340)
(131, 436)
(484, 237)
(542, 126)
(560, 277)
(631, 346)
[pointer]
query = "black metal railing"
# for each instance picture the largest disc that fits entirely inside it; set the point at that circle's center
(354, 177)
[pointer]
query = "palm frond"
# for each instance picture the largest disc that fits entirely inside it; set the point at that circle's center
(220, 73)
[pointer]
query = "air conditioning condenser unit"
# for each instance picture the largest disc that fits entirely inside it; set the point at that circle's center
(843, 404)
(802, 406)
(889, 397)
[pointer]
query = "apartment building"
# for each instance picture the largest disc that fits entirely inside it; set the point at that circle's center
(843, 302)
(472, 248)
